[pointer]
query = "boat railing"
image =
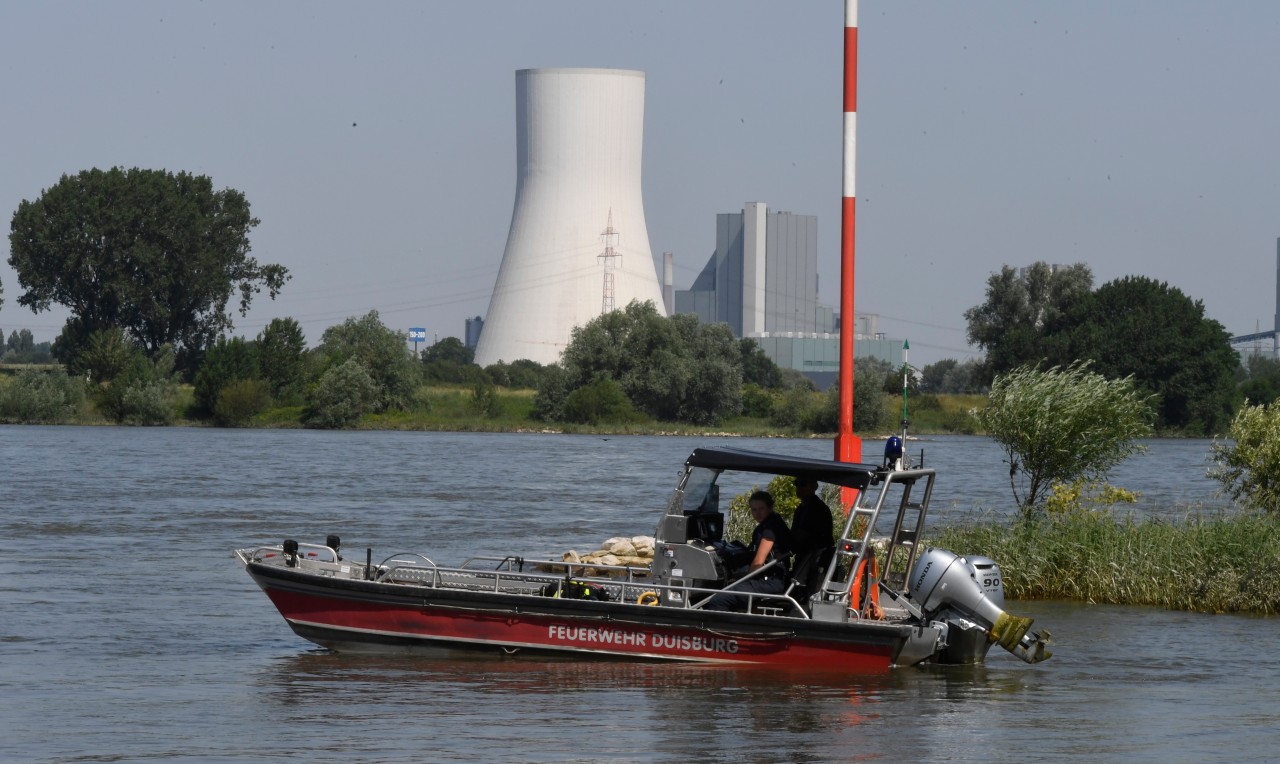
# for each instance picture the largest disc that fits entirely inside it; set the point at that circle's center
(512, 577)
(312, 552)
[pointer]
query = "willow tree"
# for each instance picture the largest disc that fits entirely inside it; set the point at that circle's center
(153, 253)
(1248, 465)
(1063, 424)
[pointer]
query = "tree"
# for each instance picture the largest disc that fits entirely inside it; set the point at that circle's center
(517, 375)
(1261, 384)
(448, 361)
(1062, 425)
(144, 393)
(1139, 327)
(282, 359)
(674, 369)
(1019, 308)
(449, 349)
(1248, 465)
(950, 376)
(229, 360)
(758, 368)
(344, 393)
(382, 355)
(153, 253)
(106, 355)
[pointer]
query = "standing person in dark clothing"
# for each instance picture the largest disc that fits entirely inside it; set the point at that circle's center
(770, 541)
(811, 525)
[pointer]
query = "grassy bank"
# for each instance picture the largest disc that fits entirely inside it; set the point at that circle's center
(1211, 563)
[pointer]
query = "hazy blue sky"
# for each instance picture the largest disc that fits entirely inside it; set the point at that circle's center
(376, 141)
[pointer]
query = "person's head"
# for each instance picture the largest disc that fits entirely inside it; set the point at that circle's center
(761, 504)
(806, 487)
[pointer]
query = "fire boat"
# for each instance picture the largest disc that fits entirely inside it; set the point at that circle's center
(876, 599)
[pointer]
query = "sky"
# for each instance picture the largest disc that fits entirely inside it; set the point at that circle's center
(376, 141)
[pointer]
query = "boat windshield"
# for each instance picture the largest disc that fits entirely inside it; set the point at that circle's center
(697, 493)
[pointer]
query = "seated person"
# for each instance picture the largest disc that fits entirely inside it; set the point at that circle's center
(811, 529)
(771, 540)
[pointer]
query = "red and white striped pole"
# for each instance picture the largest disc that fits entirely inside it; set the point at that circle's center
(848, 445)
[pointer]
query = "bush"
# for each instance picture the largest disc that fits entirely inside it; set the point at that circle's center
(548, 404)
(796, 410)
(484, 400)
(1249, 468)
(145, 402)
(960, 422)
(40, 397)
(343, 394)
(601, 400)
(756, 401)
(105, 356)
(144, 393)
(240, 401)
(226, 361)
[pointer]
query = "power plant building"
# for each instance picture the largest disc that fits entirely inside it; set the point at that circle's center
(578, 244)
(763, 282)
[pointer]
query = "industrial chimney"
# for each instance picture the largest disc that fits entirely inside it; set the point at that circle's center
(578, 149)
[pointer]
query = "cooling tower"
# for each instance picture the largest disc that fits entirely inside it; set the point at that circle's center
(578, 149)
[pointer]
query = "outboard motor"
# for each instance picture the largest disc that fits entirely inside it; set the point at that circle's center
(943, 580)
(986, 572)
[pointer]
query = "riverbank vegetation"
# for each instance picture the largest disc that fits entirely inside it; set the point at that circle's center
(1205, 562)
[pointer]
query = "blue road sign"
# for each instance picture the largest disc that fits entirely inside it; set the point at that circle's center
(417, 335)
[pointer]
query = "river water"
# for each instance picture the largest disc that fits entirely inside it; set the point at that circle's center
(130, 634)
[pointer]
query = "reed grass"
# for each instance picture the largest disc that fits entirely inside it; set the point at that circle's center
(1204, 562)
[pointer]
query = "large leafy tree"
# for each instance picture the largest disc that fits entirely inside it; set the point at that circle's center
(154, 253)
(1020, 307)
(674, 369)
(380, 351)
(1139, 327)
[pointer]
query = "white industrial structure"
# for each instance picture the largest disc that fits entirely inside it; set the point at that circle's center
(579, 136)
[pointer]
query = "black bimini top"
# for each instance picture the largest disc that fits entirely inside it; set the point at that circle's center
(824, 471)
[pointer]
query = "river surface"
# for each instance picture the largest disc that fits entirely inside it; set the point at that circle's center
(129, 633)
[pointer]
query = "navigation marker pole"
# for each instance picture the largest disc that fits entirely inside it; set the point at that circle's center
(848, 445)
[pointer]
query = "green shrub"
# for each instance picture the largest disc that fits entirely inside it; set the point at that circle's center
(796, 410)
(756, 401)
(548, 403)
(344, 394)
(40, 397)
(241, 400)
(601, 400)
(144, 393)
(226, 361)
(484, 399)
(1249, 467)
(1204, 563)
(145, 402)
(959, 421)
(924, 402)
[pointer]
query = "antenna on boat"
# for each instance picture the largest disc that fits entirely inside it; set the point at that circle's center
(895, 446)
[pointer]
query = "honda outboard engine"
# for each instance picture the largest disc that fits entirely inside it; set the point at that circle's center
(942, 581)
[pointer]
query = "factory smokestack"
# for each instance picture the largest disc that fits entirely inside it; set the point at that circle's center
(579, 136)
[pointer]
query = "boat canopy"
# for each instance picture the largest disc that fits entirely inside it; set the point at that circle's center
(824, 471)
